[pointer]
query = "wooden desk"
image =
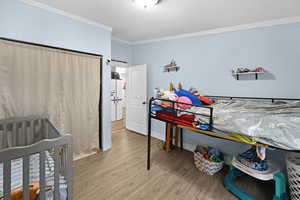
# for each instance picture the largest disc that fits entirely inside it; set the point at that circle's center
(178, 132)
(170, 136)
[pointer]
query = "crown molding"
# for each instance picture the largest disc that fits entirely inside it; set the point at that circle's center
(288, 20)
(66, 14)
(120, 40)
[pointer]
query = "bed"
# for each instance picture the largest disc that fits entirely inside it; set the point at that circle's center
(32, 152)
(266, 122)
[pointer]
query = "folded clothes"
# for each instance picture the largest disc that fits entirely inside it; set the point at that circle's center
(172, 117)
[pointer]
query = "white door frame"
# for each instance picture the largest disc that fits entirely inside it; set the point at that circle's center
(136, 107)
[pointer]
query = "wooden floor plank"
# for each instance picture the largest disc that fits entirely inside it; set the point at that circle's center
(120, 174)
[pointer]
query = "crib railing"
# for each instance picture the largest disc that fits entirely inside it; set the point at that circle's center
(23, 137)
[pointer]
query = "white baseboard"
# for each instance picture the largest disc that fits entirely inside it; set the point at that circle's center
(186, 146)
(84, 156)
(189, 147)
(157, 135)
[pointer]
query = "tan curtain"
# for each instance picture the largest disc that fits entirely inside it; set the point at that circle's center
(61, 85)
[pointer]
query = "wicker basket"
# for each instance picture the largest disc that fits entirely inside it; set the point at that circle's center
(293, 169)
(206, 166)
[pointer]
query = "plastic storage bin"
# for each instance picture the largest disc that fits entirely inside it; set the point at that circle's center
(205, 165)
(293, 170)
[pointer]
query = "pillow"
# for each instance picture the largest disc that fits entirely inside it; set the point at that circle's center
(184, 99)
(195, 100)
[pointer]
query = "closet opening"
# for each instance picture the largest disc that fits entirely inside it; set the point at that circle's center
(119, 81)
(40, 53)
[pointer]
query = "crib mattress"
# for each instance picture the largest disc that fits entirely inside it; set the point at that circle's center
(17, 175)
(276, 124)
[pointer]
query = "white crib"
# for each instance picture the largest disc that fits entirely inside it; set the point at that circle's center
(22, 138)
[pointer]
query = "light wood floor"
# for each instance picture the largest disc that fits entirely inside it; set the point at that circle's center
(120, 174)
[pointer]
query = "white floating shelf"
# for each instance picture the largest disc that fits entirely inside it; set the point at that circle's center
(247, 73)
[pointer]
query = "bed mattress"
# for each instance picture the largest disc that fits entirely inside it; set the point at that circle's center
(17, 175)
(276, 124)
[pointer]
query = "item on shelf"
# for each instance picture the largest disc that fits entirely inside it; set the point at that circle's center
(194, 91)
(293, 171)
(246, 71)
(170, 116)
(208, 160)
(259, 69)
(237, 169)
(171, 67)
(250, 159)
(158, 92)
(206, 100)
(183, 101)
(195, 100)
(241, 70)
(115, 75)
(201, 126)
(180, 101)
(261, 152)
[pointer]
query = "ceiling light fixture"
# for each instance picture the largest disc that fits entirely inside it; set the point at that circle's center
(146, 3)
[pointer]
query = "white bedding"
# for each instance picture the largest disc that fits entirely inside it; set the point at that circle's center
(17, 175)
(277, 124)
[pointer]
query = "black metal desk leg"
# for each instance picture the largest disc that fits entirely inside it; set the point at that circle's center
(172, 135)
(181, 139)
(149, 143)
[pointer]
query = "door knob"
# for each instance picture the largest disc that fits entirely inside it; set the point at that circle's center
(144, 102)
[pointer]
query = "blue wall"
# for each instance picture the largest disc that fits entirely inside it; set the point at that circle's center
(121, 51)
(206, 63)
(22, 22)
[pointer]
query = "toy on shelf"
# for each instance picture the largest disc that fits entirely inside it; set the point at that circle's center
(251, 159)
(180, 104)
(238, 169)
(171, 67)
(250, 163)
(246, 71)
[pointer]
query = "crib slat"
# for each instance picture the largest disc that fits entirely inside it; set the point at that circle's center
(14, 134)
(46, 128)
(36, 136)
(40, 126)
(42, 175)
(24, 135)
(31, 130)
(4, 142)
(26, 177)
(56, 174)
(7, 179)
(69, 169)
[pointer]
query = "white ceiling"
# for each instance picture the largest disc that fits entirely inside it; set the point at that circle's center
(175, 17)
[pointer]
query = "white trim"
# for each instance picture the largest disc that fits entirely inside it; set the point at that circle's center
(157, 135)
(186, 146)
(189, 147)
(66, 14)
(84, 156)
(274, 22)
(120, 40)
(107, 148)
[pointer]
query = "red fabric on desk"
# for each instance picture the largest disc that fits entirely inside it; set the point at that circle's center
(172, 117)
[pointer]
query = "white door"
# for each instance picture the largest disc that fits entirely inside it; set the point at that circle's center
(136, 107)
(120, 99)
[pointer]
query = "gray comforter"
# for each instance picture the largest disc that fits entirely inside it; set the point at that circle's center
(277, 124)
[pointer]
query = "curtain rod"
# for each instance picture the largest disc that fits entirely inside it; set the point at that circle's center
(119, 61)
(48, 46)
